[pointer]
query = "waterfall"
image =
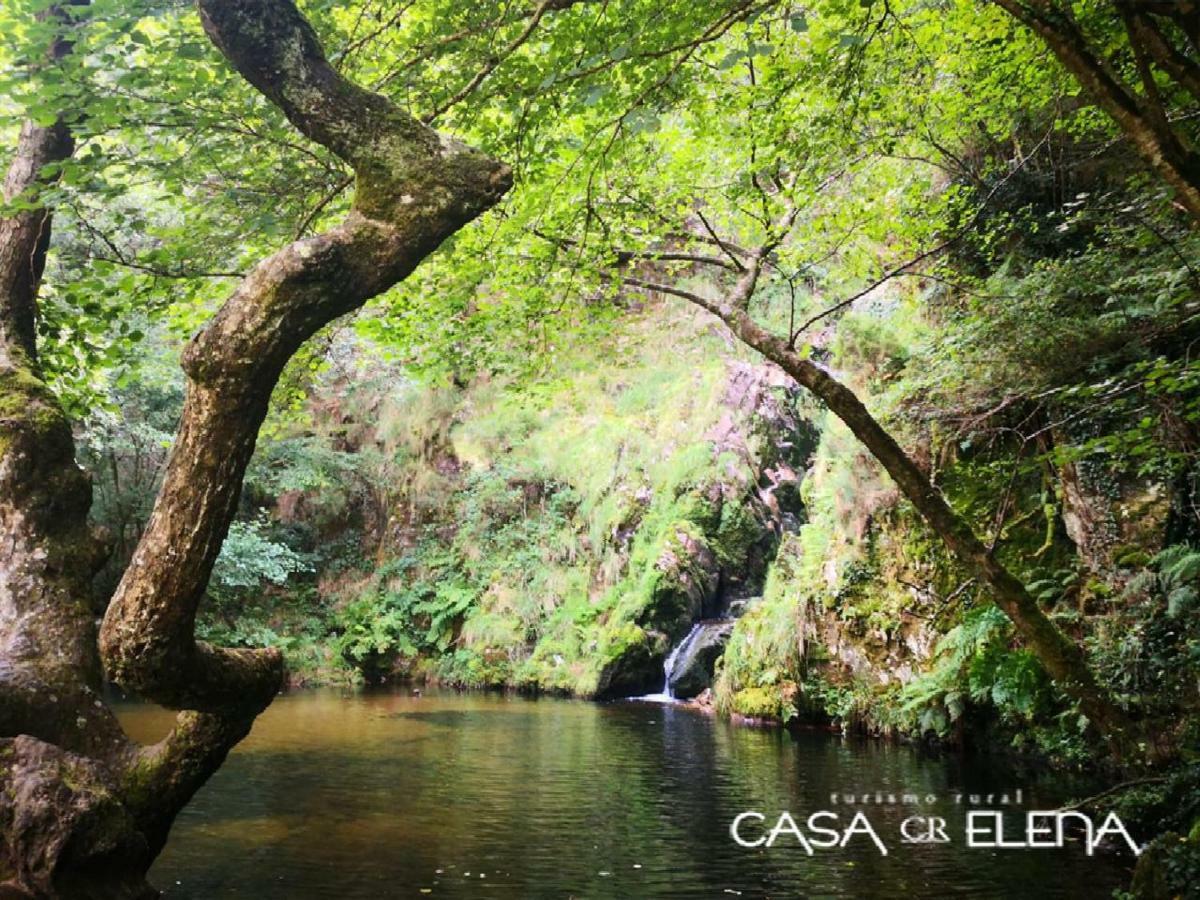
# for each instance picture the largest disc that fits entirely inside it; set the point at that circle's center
(666, 695)
(679, 649)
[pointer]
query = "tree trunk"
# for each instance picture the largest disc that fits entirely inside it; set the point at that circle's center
(84, 810)
(1059, 655)
(1142, 118)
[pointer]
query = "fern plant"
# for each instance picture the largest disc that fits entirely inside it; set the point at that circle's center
(975, 663)
(1148, 650)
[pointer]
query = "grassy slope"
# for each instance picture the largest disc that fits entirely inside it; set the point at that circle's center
(560, 533)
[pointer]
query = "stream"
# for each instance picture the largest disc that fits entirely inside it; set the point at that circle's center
(391, 794)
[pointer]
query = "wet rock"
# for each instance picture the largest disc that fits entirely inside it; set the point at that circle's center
(692, 671)
(738, 607)
(632, 664)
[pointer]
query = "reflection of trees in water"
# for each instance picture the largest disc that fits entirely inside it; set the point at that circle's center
(373, 794)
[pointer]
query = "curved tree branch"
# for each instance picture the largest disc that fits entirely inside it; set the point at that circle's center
(413, 188)
(1058, 654)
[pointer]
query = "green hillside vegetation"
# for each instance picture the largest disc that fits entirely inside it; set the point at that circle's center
(503, 346)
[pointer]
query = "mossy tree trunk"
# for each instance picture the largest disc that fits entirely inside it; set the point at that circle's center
(1059, 655)
(83, 809)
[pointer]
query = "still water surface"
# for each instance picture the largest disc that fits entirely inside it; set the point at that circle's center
(369, 795)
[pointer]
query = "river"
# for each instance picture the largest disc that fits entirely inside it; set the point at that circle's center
(340, 794)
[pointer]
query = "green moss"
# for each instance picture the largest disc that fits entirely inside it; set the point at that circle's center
(23, 395)
(26, 400)
(738, 530)
(470, 669)
(139, 782)
(1130, 557)
(759, 703)
(677, 579)
(620, 641)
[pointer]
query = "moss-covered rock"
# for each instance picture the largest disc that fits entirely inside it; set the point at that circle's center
(682, 579)
(772, 703)
(629, 662)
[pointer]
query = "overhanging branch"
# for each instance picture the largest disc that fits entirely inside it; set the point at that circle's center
(414, 188)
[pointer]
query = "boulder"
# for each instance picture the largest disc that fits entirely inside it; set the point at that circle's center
(631, 664)
(684, 578)
(64, 832)
(692, 670)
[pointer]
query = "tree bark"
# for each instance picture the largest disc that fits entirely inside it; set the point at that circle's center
(1166, 150)
(1060, 656)
(58, 821)
(84, 810)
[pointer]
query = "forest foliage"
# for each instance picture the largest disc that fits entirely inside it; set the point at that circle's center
(1026, 293)
(521, 466)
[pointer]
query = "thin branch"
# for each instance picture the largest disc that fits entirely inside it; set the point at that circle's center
(118, 258)
(423, 53)
(329, 197)
(744, 289)
(648, 255)
(726, 247)
(1115, 789)
(904, 268)
(655, 287)
(356, 44)
(494, 60)
(165, 273)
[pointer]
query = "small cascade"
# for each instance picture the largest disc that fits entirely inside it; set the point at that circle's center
(666, 695)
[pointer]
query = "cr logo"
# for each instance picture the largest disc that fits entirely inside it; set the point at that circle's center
(924, 830)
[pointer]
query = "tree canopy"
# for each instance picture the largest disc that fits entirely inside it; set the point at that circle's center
(968, 228)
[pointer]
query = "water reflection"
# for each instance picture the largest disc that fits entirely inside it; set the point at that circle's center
(394, 795)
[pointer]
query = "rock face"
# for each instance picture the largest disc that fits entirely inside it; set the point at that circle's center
(1104, 512)
(692, 668)
(684, 580)
(634, 669)
(728, 524)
